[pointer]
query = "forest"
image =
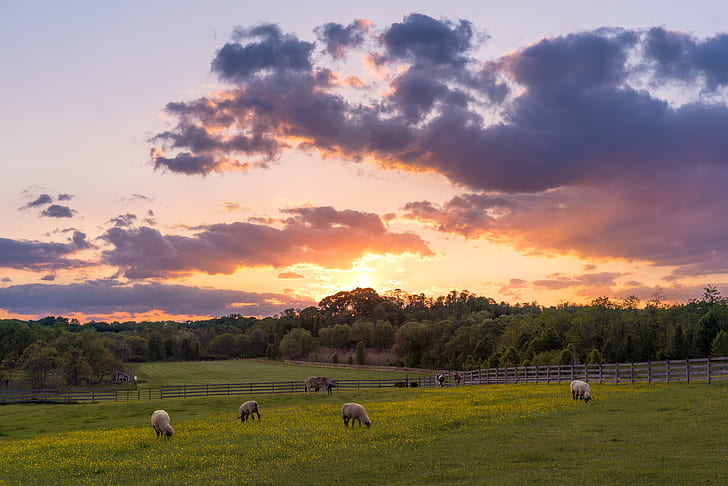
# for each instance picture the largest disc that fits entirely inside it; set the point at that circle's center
(457, 331)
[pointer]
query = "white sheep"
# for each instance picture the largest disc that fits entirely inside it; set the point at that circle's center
(354, 411)
(580, 390)
(160, 423)
(249, 409)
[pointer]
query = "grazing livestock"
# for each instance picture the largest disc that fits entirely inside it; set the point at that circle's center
(317, 383)
(440, 380)
(160, 423)
(354, 411)
(458, 379)
(400, 384)
(580, 390)
(249, 409)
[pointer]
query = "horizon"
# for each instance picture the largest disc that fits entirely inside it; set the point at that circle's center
(181, 163)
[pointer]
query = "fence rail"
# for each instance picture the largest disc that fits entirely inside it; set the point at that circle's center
(690, 370)
(686, 370)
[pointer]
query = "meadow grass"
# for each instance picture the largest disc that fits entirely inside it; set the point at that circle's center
(245, 371)
(496, 434)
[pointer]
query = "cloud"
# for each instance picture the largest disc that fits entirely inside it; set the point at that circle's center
(100, 298)
(58, 211)
(290, 275)
(593, 280)
(338, 38)
(41, 200)
(322, 236)
(568, 145)
(272, 50)
(424, 40)
(607, 284)
(682, 57)
(40, 256)
(138, 197)
(124, 220)
(53, 210)
(665, 223)
(232, 206)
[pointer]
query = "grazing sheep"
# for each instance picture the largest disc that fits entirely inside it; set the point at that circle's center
(580, 390)
(354, 411)
(317, 383)
(249, 409)
(160, 423)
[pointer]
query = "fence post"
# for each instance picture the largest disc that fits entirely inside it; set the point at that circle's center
(631, 372)
(667, 370)
(687, 369)
(708, 370)
(649, 372)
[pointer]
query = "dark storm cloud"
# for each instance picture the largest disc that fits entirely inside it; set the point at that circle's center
(101, 298)
(572, 126)
(322, 236)
(41, 256)
(337, 38)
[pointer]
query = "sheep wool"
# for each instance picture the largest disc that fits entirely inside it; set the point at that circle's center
(354, 411)
(160, 423)
(580, 390)
(249, 409)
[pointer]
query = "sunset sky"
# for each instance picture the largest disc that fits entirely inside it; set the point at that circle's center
(179, 159)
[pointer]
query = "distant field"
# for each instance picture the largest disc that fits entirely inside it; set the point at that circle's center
(476, 435)
(245, 371)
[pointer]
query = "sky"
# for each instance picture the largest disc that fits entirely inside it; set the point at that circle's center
(185, 160)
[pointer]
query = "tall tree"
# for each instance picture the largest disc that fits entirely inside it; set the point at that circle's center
(38, 360)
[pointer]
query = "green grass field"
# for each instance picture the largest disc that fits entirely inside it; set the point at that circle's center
(245, 371)
(476, 435)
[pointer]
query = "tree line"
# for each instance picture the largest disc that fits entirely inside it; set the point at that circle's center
(460, 330)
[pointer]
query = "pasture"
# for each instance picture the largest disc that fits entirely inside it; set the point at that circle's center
(244, 371)
(497, 434)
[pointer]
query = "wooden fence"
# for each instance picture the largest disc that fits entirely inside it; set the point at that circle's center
(690, 370)
(685, 370)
